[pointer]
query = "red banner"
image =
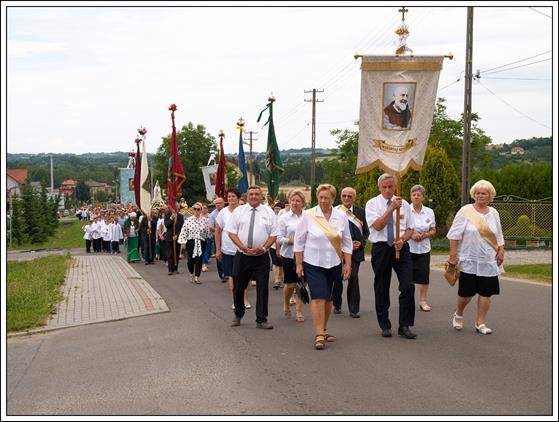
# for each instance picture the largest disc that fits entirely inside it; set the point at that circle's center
(176, 175)
(221, 170)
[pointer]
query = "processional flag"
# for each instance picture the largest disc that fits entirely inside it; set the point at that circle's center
(145, 191)
(137, 169)
(398, 95)
(175, 173)
(242, 184)
(274, 166)
(221, 169)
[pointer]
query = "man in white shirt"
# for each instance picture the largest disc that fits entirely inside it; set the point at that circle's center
(253, 229)
(381, 216)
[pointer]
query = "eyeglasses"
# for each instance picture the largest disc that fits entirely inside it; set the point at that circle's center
(347, 196)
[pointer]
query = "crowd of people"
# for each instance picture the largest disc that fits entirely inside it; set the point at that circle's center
(319, 249)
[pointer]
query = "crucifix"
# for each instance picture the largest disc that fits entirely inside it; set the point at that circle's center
(403, 10)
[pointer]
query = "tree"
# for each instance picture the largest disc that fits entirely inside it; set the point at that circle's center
(33, 215)
(340, 171)
(441, 183)
(83, 192)
(193, 144)
(18, 225)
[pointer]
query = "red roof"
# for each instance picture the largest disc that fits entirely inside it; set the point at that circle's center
(19, 175)
(69, 182)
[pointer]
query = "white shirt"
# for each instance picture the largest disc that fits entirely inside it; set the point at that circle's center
(95, 231)
(115, 232)
(87, 229)
(265, 224)
(375, 209)
(161, 229)
(311, 240)
(421, 222)
(474, 254)
(228, 247)
(287, 225)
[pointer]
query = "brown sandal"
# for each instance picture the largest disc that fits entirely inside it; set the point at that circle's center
(319, 343)
(299, 318)
(329, 338)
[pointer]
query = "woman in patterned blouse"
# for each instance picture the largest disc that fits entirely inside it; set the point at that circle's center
(194, 234)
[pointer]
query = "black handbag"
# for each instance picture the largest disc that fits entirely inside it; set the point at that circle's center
(302, 291)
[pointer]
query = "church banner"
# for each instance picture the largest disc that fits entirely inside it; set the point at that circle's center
(398, 95)
(210, 176)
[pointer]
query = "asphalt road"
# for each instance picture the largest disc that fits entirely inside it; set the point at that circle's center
(191, 362)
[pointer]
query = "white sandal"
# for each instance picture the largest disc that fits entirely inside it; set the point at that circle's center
(457, 322)
(483, 329)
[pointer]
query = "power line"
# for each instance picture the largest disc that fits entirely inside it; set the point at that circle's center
(541, 13)
(519, 79)
(511, 106)
(522, 65)
(518, 61)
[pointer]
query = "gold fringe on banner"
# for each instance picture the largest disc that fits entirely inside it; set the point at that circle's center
(372, 66)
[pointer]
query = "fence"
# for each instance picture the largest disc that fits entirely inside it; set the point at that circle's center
(526, 223)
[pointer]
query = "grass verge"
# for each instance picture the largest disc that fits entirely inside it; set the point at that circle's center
(68, 235)
(540, 272)
(34, 290)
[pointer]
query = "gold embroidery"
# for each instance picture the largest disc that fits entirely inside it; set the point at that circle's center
(377, 143)
(375, 66)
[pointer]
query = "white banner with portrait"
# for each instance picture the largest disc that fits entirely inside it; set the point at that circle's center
(398, 95)
(209, 173)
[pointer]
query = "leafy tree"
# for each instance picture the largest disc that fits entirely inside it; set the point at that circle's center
(441, 183)
(193, 144)
(83, 192)
(18, 225)
(340, 171)
(102, 196)
(33, 215)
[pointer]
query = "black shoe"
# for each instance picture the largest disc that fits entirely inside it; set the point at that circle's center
(264, 325)
(170, 273)
(337, 311)
(236, 322)
(386, 332)
(405, 332)
(354, 315)
(224, 280)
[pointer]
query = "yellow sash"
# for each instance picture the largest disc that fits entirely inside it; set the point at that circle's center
(330, 232)
(478, 221)
(352, 217)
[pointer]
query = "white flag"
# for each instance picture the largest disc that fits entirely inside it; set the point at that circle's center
(145, 195)
(398, 95)
(210, 173)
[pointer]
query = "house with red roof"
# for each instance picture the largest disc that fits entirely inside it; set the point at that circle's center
(68, 187)
(15, 178)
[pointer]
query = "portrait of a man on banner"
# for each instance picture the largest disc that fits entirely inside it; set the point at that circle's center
(398, 105)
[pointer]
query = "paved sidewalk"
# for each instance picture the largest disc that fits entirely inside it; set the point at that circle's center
(100, 289)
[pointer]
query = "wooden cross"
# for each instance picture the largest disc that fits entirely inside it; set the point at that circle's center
(403, 10)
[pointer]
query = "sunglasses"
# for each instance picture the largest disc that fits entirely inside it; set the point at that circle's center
(196, 209)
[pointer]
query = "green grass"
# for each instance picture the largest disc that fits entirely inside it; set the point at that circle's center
(34, 290)
(541, 272)
(68, 235)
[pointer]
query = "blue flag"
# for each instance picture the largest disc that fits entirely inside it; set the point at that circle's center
(242, 184)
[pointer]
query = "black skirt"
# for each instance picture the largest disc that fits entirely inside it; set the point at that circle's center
(421, 263)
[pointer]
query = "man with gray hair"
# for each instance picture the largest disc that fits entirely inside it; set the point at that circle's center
(381, 217)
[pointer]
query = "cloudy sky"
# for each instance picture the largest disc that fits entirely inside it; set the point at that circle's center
(83, 79)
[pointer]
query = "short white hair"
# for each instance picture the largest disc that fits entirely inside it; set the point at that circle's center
(385, 176)
(485, 185)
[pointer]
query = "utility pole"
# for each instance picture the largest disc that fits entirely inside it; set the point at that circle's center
(51, 176)
(466, 145)
(313, 141)
(250, 139)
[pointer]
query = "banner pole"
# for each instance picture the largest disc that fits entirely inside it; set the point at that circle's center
(397, 214)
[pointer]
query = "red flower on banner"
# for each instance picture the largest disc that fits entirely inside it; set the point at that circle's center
(173, 107)
(142, 131)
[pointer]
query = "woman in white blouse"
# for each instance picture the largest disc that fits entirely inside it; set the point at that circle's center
(477, 246)
(322, 242)
(287, 223)
(194, 233)
(423, 224)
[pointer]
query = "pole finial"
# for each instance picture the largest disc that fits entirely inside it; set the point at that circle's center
(403, 11)
(403, 33)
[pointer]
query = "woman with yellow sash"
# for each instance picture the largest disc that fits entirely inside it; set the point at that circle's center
(322, 245)
(477, 246)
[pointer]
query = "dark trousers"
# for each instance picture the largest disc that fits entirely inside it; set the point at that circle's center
(149, 249)
(243, 268)
(194, 264)
(97, 243)
(163, 250)
(219, 265)
(353, 294)
(173, 256)
(383, 261)
(107, 245)
(114, 247)
(88, 245)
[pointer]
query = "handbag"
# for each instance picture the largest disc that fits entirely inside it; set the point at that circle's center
(451, 273)
(302, 291)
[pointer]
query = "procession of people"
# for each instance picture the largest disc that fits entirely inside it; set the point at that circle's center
(318, 249)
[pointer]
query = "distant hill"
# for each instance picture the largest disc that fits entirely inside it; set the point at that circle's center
(522, 150)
